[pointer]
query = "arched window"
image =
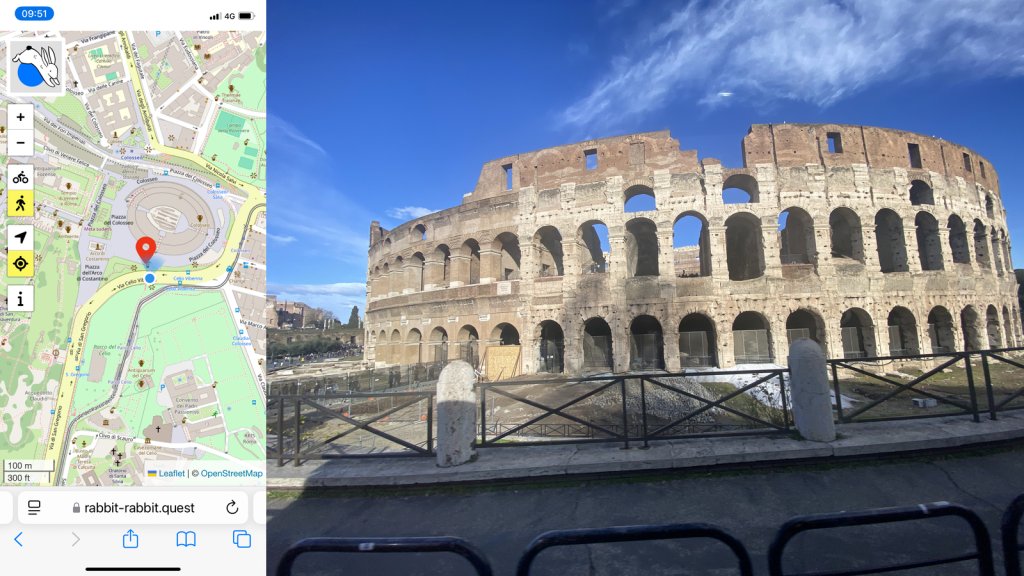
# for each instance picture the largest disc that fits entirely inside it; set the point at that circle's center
(1008, 328)
(548, 242)
(995, 339)
(929, 245)
(804, 323)
(469, 345)
(443, 256)
(507, 244)
(438, 345)
(593, 247)
(641, 243)
(902, 332)
(847, 239)
(691, 245)
(552, 347)
(744, 250)
(958, 240)
(505, 334)
(646, 346)
(471, 248)
(413, 341)
(597, 345)
(921, 193)
(740, 189)
(892, 247)
(417, 263)
(940, 330)
(697, 346)
(858, 333)
(639, 198)
(796, 231)
(997, 252)
(981, 246)
(419, 232)
(969, 325)
(385, 280)
(751, 339)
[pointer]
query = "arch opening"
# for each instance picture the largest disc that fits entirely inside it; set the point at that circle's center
(958, 240)
(548, 242)
(469, 345)
(995, 337)
(858, 334)
(641, 243)
(639, 198)
(509, 256)
(646, 345)
(981, 244)
(921, 193)
(929, 245)
(940, 330)
(471, 269)
(740, 189)
(438, 345)
(892, 246)
(744, 247)
(597, 344)
(751, 339)
(552, 347)
(970, 328)
(846, 235)
(419, 232)
(796, 232)
(505, 334)
(691, 246)
(593, 247)
(804, 323)
(697, 345)
(902, 332)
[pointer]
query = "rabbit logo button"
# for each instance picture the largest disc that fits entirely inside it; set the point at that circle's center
(37, 66)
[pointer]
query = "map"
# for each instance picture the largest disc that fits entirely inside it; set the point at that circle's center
(131, 365)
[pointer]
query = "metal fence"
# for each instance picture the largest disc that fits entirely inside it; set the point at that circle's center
(432, 544)
(633, 408)
(934, 391)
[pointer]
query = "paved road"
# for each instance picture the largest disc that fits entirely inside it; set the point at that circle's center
(750, 504)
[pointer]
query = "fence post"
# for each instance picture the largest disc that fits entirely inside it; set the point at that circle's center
(456, 414)
(808, 382)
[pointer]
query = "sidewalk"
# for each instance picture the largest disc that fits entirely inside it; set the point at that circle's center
(507, 463)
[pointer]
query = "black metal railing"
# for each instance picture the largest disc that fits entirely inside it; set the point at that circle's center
(1012, 546)
(968, 402)
(446, 544)
(617, 534)
(982, 545)
(633, 408)
(302, 427)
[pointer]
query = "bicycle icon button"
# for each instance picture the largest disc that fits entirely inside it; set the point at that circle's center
(21, 178)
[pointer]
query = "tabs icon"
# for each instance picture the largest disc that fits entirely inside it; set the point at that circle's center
(19, 203)
(20, 264)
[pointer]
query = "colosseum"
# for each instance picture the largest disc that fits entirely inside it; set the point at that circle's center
(628, 253)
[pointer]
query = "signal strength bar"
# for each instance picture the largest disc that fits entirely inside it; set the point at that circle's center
(215, 16)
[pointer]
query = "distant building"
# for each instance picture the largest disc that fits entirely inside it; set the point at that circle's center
(286, 315)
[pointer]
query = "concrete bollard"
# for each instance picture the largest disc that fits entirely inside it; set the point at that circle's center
(808, 383)
(456, 414)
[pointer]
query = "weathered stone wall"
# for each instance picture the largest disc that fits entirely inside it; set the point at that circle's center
(519, 252)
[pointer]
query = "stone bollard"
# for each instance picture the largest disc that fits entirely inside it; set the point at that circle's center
(808, 384)
(456, 414)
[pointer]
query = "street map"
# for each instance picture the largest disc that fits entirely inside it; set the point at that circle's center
(126, 366)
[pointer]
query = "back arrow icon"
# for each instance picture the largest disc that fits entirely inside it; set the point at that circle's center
(16, 540)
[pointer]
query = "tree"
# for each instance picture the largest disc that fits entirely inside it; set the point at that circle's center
(353, 318)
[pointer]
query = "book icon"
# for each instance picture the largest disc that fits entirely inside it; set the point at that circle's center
(185, 538)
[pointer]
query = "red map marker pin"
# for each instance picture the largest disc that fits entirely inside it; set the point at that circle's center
(146, 247)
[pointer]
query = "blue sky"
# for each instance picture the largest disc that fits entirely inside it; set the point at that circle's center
(387, 110)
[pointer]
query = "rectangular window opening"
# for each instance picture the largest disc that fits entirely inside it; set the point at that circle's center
(591, 158)
(967, 162)
(915, 155)
(835, 143)
(981, 166)
(508, 176)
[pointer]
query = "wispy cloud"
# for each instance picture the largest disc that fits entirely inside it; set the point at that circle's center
(409, 212)
(287, 135)
(338, 297)
(282, 239)
(814, 52)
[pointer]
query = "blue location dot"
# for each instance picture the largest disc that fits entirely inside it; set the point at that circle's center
(149, 278)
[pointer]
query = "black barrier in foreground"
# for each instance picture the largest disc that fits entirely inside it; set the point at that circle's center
(1012, 546)
(386, 546)
(614, 534)
(794, 526)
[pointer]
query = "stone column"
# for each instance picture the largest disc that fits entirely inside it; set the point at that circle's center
(456, 414)
(490, 265)
(670, 339)
(913, 251)
(666, 257)
(617, 258)
(812, 401)
(460, 270)
(719, 253)
(944, 249)
(433, 273)
(771, 242)
(823, 248)
(620, 348)
(870, 248)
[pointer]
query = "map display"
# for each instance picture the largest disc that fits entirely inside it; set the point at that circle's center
(132, 338)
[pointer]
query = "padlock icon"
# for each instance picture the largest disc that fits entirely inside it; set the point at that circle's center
(76, 508)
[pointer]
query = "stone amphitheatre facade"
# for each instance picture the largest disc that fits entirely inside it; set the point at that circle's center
(871, 241)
